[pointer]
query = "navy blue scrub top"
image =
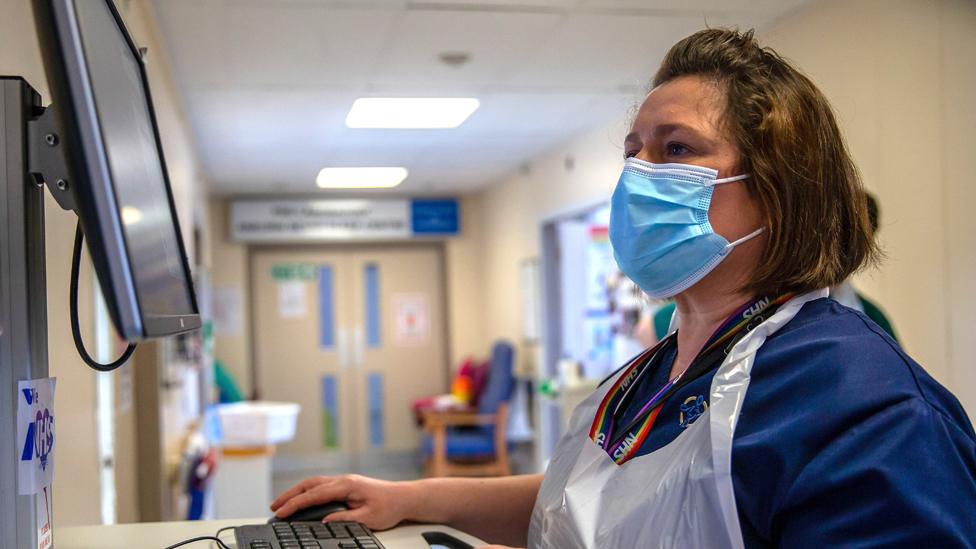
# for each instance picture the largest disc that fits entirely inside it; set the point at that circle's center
(843, 440)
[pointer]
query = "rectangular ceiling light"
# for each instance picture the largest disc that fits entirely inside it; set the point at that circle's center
(360, 178)
(410, 112)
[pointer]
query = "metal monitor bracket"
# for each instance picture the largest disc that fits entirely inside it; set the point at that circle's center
(46, 157)
(31, 152)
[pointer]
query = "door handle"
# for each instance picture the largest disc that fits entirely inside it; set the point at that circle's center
(358, 346)
(343, 347)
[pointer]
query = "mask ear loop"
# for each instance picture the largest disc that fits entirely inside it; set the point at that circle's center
(746, 238)
(730, 179)
(753, 234)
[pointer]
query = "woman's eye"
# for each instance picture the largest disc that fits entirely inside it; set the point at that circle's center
(630, 154)
(676, 149)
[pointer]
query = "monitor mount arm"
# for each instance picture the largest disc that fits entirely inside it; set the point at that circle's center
(46, 157)
(46, 165)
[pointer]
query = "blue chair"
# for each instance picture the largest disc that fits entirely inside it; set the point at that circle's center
(473, 443)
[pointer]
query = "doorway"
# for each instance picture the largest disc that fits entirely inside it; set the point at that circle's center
(353, 335)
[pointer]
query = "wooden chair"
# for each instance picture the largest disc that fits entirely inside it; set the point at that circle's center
(473, 442)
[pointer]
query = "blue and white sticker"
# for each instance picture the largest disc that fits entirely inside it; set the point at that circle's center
(35, 435)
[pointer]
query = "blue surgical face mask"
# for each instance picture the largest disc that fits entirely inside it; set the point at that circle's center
(659, 227)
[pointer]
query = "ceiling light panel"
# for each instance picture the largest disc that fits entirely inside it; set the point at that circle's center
(360, 178)
(410, 112)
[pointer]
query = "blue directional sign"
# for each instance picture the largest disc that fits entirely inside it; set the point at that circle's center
(435, 217)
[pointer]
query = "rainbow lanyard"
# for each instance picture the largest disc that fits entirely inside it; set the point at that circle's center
(628, 441)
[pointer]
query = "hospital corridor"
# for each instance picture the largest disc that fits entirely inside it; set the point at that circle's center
(552, 274)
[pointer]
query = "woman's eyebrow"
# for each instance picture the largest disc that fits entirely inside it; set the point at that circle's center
(665, 129)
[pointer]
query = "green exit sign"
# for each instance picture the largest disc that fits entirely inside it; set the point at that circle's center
(294, 271)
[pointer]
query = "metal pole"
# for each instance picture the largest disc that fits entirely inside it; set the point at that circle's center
(23, 300)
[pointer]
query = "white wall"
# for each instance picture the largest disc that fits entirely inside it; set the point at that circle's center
(76, 485)
(901, 77)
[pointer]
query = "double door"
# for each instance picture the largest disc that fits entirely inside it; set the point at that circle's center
(353, 335)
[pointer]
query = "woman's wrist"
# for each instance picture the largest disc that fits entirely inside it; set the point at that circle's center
(416, 502)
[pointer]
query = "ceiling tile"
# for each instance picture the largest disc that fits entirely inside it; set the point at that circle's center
(494, 42)
(602, 51)
(304, 46)
(711, 6)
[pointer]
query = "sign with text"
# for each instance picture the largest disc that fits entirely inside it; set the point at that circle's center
(341, 220)
(35, 435)
(412, 319)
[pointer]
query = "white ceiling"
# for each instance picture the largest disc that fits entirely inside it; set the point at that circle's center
(268, 83)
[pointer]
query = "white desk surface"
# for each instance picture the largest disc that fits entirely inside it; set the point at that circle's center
(157, 535)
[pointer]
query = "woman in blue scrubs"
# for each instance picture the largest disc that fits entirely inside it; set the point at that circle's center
(773, 416)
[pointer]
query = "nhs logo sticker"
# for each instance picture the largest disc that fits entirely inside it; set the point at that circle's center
(35, 435)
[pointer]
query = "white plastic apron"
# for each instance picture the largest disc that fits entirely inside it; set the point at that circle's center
(679, 496)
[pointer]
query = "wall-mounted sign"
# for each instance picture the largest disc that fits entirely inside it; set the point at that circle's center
(35, 435)
(294, 271)
(291, 299)
(411, 314)
(338, 220)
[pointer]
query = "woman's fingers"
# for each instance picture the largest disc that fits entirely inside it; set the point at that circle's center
(322, 493)
(352, 515)
(297, 489)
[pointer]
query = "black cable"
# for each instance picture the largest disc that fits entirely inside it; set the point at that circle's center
(215, 537)
(75, 326)
(201, 538)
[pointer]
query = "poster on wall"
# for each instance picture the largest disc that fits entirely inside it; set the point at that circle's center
(227, 311)
(411, 314)
(35, 435)
(531, 304)
(291, 299)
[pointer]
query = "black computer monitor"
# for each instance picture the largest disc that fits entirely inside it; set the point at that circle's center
(115, 161)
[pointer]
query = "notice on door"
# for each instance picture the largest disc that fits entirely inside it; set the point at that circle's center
(412, 319)
(292, 299)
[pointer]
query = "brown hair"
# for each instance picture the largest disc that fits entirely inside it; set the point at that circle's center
(807, 186)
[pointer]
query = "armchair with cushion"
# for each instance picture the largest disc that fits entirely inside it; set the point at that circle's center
(473, 442)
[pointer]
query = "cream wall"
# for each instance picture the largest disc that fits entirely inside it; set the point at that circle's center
(465, 264)
(577, 176)
(900, 75)
(230, 273)
(76, 485)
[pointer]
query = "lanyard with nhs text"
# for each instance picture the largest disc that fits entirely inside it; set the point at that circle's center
(623, 443)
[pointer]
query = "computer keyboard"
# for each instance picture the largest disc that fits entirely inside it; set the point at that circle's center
(306, 535)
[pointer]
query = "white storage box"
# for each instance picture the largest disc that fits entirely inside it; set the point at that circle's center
(256, 423)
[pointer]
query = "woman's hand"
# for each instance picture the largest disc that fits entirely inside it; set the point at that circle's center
(378, 504)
